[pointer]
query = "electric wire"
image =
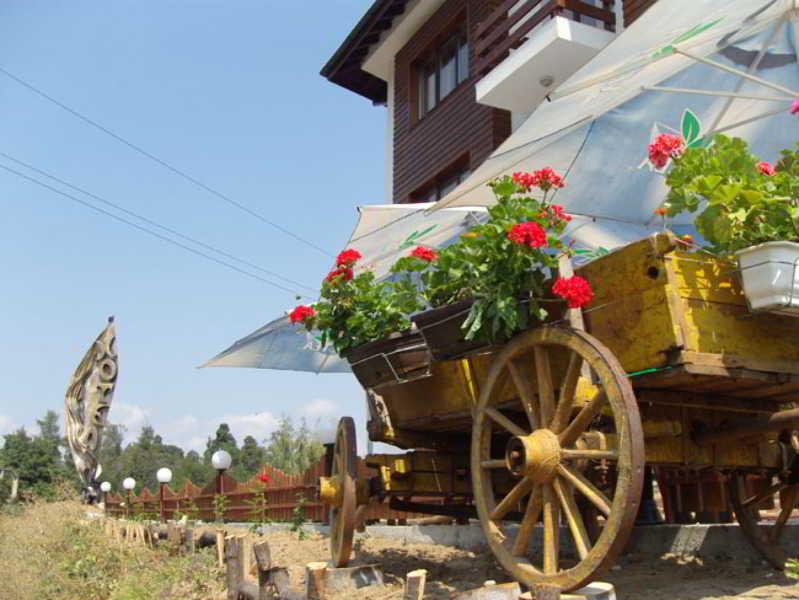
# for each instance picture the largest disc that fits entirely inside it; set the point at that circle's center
(162, 162)
(151, 232)
(154, 223)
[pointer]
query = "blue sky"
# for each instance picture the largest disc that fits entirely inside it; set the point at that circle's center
(228, 92)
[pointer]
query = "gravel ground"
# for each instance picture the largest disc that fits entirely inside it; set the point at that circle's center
(452, 570)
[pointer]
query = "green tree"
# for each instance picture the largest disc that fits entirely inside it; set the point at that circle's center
(251, 459)
(223, 440)
(293, 449)
(34, 461)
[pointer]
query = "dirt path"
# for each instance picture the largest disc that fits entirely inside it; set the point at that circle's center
(451, 570)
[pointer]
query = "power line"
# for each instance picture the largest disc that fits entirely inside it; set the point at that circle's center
(162, 162)
(149, 231)
(154, 223)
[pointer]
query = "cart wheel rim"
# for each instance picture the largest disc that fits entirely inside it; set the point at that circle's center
(766, 537)
(546, 452)
(342, 518)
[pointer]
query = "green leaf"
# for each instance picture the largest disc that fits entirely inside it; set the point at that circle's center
(690, 127)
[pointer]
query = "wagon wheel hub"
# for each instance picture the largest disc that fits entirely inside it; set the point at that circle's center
(330, 491)
(536, 455)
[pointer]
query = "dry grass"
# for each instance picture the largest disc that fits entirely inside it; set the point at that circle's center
(50, 551)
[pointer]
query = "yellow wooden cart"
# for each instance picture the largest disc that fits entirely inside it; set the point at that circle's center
(665, 368)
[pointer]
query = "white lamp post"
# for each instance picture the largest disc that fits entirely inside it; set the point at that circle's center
(105, 487)
(164, 476)
(221, 462)
(129, 483)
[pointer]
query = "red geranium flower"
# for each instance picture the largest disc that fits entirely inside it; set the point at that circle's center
(528, 234)
(795, 107)
(575, 290)
(556, 213)
(342, 273)
(766, 169)
(425, 254)
(263, 478)
(547, 179)
(347, 258)
(664, 147)
(301, 314)
(523, 180)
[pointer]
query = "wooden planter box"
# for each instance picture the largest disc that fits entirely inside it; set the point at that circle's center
(442, 329)
(395, 359)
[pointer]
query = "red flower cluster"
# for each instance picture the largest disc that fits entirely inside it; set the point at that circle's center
(664, 147)
(347, 258)
(263, 478)
(425, 254)
(546, 179)
(301, 314)
(556, 213)
(766, 169)
(528, 234)
(795, 107)
(342, 273)
(523, 180)
(575, 290)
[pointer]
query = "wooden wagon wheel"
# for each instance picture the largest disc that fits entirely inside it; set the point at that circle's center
(541, 447)
(765, 535)
(343, 477)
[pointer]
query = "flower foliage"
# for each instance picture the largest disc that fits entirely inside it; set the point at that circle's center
(356, 309)
(740, 200)
(500, 262)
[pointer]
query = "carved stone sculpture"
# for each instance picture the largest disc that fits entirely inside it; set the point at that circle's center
(86, 406)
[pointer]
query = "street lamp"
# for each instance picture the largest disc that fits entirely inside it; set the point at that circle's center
(105, 487)
(129, 483)
(221, 462)
(164, 476)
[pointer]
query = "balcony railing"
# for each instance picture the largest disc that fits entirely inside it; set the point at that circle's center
(510, 24)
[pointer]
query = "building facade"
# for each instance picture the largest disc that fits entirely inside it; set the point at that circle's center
(457, 77)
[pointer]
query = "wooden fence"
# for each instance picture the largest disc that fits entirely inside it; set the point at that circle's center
(281, 493)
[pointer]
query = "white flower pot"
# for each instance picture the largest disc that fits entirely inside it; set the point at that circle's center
(770, 276)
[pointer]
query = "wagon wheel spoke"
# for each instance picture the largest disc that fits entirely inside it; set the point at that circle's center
(573, 517)
(788, 500)
(568, 390)
(583, 454)
(494, 463)
(531, 515)
(521, 489)
(583, 419)
(546, 393)
(551, 530)
(501, 419)
(586, 488)
(521, 380)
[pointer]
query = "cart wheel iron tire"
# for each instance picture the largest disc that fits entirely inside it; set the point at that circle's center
(765, 536)
(550, 452)
(339, 492)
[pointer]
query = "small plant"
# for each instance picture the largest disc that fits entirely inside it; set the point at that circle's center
(792, 568)
(298, 518)
(502, 261)
(356, 309)
(742, 201)
(220, 507)
(188, 509)
(258, 513)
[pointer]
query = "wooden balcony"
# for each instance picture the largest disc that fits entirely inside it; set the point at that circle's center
(514, 21)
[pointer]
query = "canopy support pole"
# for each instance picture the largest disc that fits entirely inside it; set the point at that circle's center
(730, 95)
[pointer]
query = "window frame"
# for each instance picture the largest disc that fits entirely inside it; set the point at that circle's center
(454, 45)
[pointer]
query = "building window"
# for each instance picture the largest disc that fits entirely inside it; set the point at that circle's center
(441, 71)
(442, 185)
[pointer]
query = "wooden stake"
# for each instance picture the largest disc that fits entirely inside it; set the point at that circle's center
(246, 555)
(220, 547)
(543, 591)
(188, 539)
(235, 571)
(315, 580)
(414, 585)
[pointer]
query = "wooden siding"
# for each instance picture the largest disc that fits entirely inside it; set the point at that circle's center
(633, 9)
(458, 128)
